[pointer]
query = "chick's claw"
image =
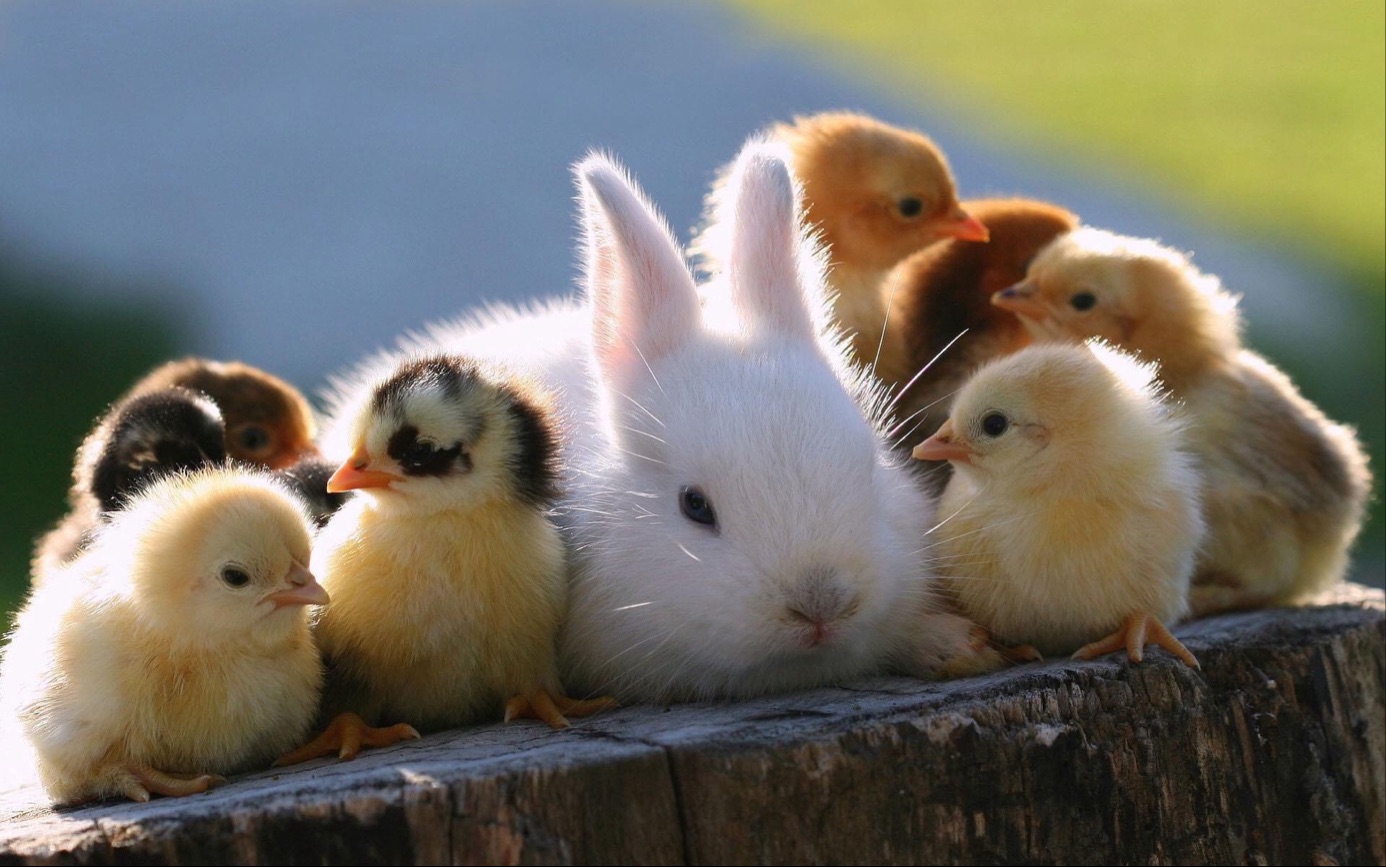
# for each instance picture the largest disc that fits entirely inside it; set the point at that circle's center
(554, 711)
(1138, 630)
(141, 782)
(345, 736)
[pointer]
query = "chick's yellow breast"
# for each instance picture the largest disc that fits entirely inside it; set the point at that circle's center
(1062, 572)
(436, 620)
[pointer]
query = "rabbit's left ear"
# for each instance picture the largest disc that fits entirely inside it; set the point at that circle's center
(766, 255)
(644, 304)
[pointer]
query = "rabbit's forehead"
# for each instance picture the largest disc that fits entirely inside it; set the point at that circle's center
(767, 414)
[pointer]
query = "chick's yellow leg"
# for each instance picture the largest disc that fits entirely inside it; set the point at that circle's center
(139, 782)
(554, 711)
(1139, 629)
(345, 736)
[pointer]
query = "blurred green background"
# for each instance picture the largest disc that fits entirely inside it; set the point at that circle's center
(1282, 128)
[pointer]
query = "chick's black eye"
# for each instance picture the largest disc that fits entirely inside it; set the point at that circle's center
(253, 438)
(696, 507)
(418, 455)
(994, 424)
(233, 577)
(910, 206)
(1083, 301)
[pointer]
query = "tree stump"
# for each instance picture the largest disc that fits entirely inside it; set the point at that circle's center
(1274, 753)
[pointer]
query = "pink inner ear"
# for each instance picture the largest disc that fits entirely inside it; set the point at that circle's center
(642, 294)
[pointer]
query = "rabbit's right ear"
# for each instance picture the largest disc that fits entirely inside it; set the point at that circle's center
(644, 304)
(776, 280)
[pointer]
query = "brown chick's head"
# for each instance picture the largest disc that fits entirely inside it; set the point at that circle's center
(1045, 418)
(147, 436)
(218, 554)
(878, 192)
(1133, 292)
(268, 422)
(441, 432)
(945, 290)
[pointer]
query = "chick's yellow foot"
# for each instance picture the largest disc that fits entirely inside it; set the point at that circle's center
(540, 705)
(140, 782)
(1138, 630)
(345, 736)
(984, 653)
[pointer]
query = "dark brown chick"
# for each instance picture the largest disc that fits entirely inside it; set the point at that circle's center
(942, 324)
(268, 422)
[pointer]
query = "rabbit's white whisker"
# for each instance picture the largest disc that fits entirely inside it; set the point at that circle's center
(930, 364)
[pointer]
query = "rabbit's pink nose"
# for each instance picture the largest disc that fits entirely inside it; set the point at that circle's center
(819, 605)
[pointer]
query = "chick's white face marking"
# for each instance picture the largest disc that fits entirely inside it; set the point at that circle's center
(424, 441)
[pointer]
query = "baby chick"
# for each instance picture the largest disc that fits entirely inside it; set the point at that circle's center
(1072, 517)
(175, 648)
(942, 325)
(877, 193)
(1286, 487)
(268, 422)
(446, 572)
(139, 439)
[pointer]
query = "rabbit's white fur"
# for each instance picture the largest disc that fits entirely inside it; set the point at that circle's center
(761, 412)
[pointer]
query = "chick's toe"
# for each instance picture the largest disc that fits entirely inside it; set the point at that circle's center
(1139, 629)
(345, 736)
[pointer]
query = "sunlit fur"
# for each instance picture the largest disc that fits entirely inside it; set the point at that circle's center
(855, 170)
(1286, 487)
(1084, 511)
(446, 591)
(812, 509)
(942, 324)
(139, 653)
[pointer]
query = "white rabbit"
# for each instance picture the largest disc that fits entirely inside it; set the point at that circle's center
(736, 522)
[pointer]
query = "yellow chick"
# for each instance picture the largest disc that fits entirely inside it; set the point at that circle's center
(1072, 517)
(876, 193)
(446, 572)
(1286, 488)
(175, 648)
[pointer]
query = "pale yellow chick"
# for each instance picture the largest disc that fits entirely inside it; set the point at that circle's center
(1072, 518)
(1286, 488)
(876, 193)
(175, 648)
(447, 573)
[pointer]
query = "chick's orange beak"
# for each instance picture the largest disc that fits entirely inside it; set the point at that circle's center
(965, 227)
(353, 474)
(943, 446)
(303, 589)
(1020, 300)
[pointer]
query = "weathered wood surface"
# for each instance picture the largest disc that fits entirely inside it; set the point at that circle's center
(1274, 753)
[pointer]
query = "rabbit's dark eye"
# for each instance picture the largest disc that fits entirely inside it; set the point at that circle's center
(994, 424)
(696, 507)
(910, 206)
(253, 438)
(1083, 301)
(232, 576)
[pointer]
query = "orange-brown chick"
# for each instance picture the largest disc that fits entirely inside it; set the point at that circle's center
(268, 421)
(876, 193)
(1286, 487)
(942, 324)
